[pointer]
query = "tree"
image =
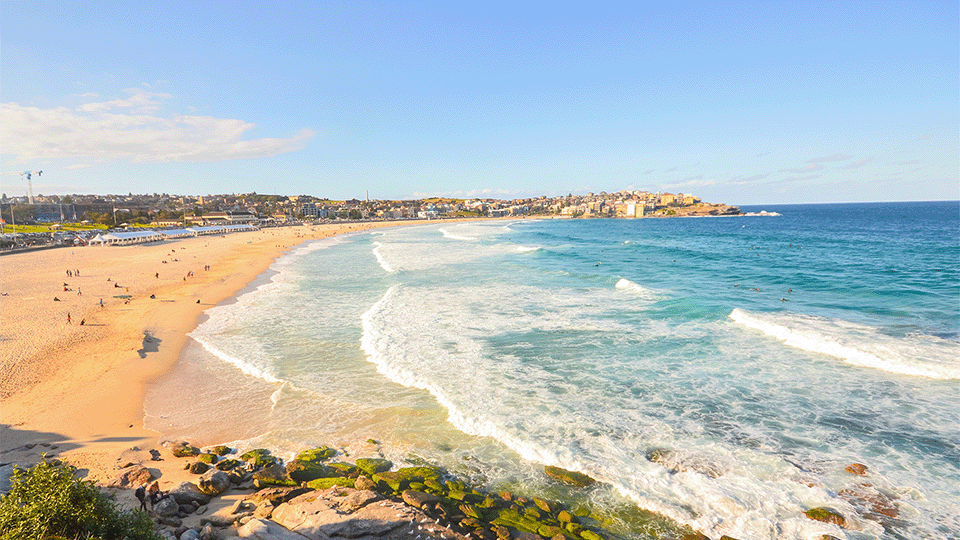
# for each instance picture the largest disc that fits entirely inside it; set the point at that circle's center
(20, 213)
(48, 501)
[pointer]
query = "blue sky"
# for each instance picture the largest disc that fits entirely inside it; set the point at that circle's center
(738, 102)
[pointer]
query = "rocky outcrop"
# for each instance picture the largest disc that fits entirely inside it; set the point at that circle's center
(351, 513)
(569, 477)
(214, 483)
(826, 515)
(133, 477)
(370, 501)
(187, 493)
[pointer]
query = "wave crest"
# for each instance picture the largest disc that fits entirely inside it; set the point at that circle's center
(859, 345)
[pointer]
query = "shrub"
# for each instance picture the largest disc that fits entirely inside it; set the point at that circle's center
(48, 501)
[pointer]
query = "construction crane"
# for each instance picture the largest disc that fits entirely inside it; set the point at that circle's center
(29, 175)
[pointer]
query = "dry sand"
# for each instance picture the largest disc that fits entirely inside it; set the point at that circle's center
(76, 391)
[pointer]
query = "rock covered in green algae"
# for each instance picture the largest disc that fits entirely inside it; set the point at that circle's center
(826, 515)
(228, 464)
(209, 459)
(344, 469)
(400, 479)
(372, 466)
(320, 453)
(184, 449)
(198, 467)
(327, 483)
(569, 477)
(308, 465)
(220, 450)
(273, 474)
(260, 457)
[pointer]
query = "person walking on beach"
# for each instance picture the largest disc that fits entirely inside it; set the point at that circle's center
(68, 318)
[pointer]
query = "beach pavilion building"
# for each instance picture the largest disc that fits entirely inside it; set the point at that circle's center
(125, 238)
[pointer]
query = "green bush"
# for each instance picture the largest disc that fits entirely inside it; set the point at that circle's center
(48, 501)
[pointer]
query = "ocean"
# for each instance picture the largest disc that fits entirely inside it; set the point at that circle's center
(723, 372)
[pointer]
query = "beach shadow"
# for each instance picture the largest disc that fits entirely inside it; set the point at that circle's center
(151, 344)
(118, 439)
(24, 448)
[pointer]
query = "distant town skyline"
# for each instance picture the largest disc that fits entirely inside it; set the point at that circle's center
(743, 103)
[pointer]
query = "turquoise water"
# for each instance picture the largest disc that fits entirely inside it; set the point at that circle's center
(756, 356)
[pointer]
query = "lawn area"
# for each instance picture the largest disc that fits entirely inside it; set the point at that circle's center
(46, 228)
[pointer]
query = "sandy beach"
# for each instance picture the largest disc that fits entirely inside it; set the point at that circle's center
(73, 372)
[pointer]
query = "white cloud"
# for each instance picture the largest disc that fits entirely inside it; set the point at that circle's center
(130, 129)
(805, 169)
(858, 164)
(834, 157)
(693, 181)
(754, 178)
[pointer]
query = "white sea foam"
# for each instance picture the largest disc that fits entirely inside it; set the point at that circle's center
(448, 234)
(859, 345)
(633, 288)
(524, 249)
(245, 367)
(380, 260)
(712, 496)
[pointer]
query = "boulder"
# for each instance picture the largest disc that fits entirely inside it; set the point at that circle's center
(228, 464)
(209, 459)
(399, 480)
(363, 482)
(264, 529)
(348, 513)
(207, 532)
(857, 468)
(183, 449)
(170, 521)
(190, 534)
(326, 483)
(259, 457)
(826, 515)
(166, 507)
(273, 474)
(187, 492)
(214, 483)
(320, 453)
(372, 466)
(198, 467)
(278, 495)
(568, 477)
(304, 471)
(220, 450)
(343, 469)
(419, 498)
(136, 475)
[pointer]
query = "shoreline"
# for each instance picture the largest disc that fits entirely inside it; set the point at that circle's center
(77, 392)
